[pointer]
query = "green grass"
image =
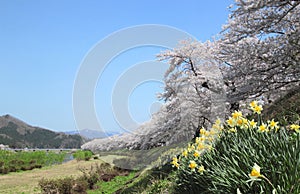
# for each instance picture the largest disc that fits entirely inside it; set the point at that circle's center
(11, 161)
(114, 185)
(83, 155)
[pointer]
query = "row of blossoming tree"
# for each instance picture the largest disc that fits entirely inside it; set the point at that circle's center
(256, 56)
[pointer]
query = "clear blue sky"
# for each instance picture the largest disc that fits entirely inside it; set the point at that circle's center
(42, 44)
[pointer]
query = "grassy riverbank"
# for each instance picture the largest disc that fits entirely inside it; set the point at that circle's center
(27, 182)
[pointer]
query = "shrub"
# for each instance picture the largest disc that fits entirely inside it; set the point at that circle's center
(62, 186)
(221, 160)
(159, 186)
(4, 170)
(83, 155)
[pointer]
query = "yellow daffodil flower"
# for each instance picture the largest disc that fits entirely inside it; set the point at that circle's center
(253, 104)
(196, 154)
(191, 148)
(263, 128)
(197, 140)
(185, 153)
(218, 122)
(295, 127)
(245, 124)
(236, 114)
(239, 122)
(175, 162)
(230, 122)
(202, 138)
(202, 131)
(192, 165)
(255, 172)
(273, 124)
(201, 169)
(175, 159)
(257, 109)
(232, 130)
(200, 146)
(252, 124)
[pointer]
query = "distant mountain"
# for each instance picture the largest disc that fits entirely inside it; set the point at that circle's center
(91, 134)
(18, 134)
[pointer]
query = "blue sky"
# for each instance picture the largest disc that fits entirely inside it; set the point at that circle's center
(42, 44)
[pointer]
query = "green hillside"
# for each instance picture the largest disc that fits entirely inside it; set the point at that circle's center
(18, 134)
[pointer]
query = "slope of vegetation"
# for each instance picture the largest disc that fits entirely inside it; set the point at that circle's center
(224, 165)
(252, 156)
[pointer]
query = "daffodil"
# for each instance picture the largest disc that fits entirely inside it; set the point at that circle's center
(191, 148)
(252, 124)
(192, 165)
(175, 159)
(245, 123)
(217, 125)
(200, 146)
(232, 130)
(202, 131)
(197, 140)
(218, 122)
(239, 122)
(236, 114)
(273, 124)
(230, 122)
(255, 172)
(201, 169)
(255, 107)
(185, 153)
(263, 128)
(175, 162)
(202, 138)
(196, 154)
(242, 123)
(258, 109)
(253, 104)
(256, 175)
(295, 127)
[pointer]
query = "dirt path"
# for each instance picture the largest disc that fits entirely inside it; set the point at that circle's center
(26, 182)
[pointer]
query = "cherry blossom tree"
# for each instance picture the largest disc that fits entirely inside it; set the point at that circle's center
(260, 47)
(194, 81)
(257, 53)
